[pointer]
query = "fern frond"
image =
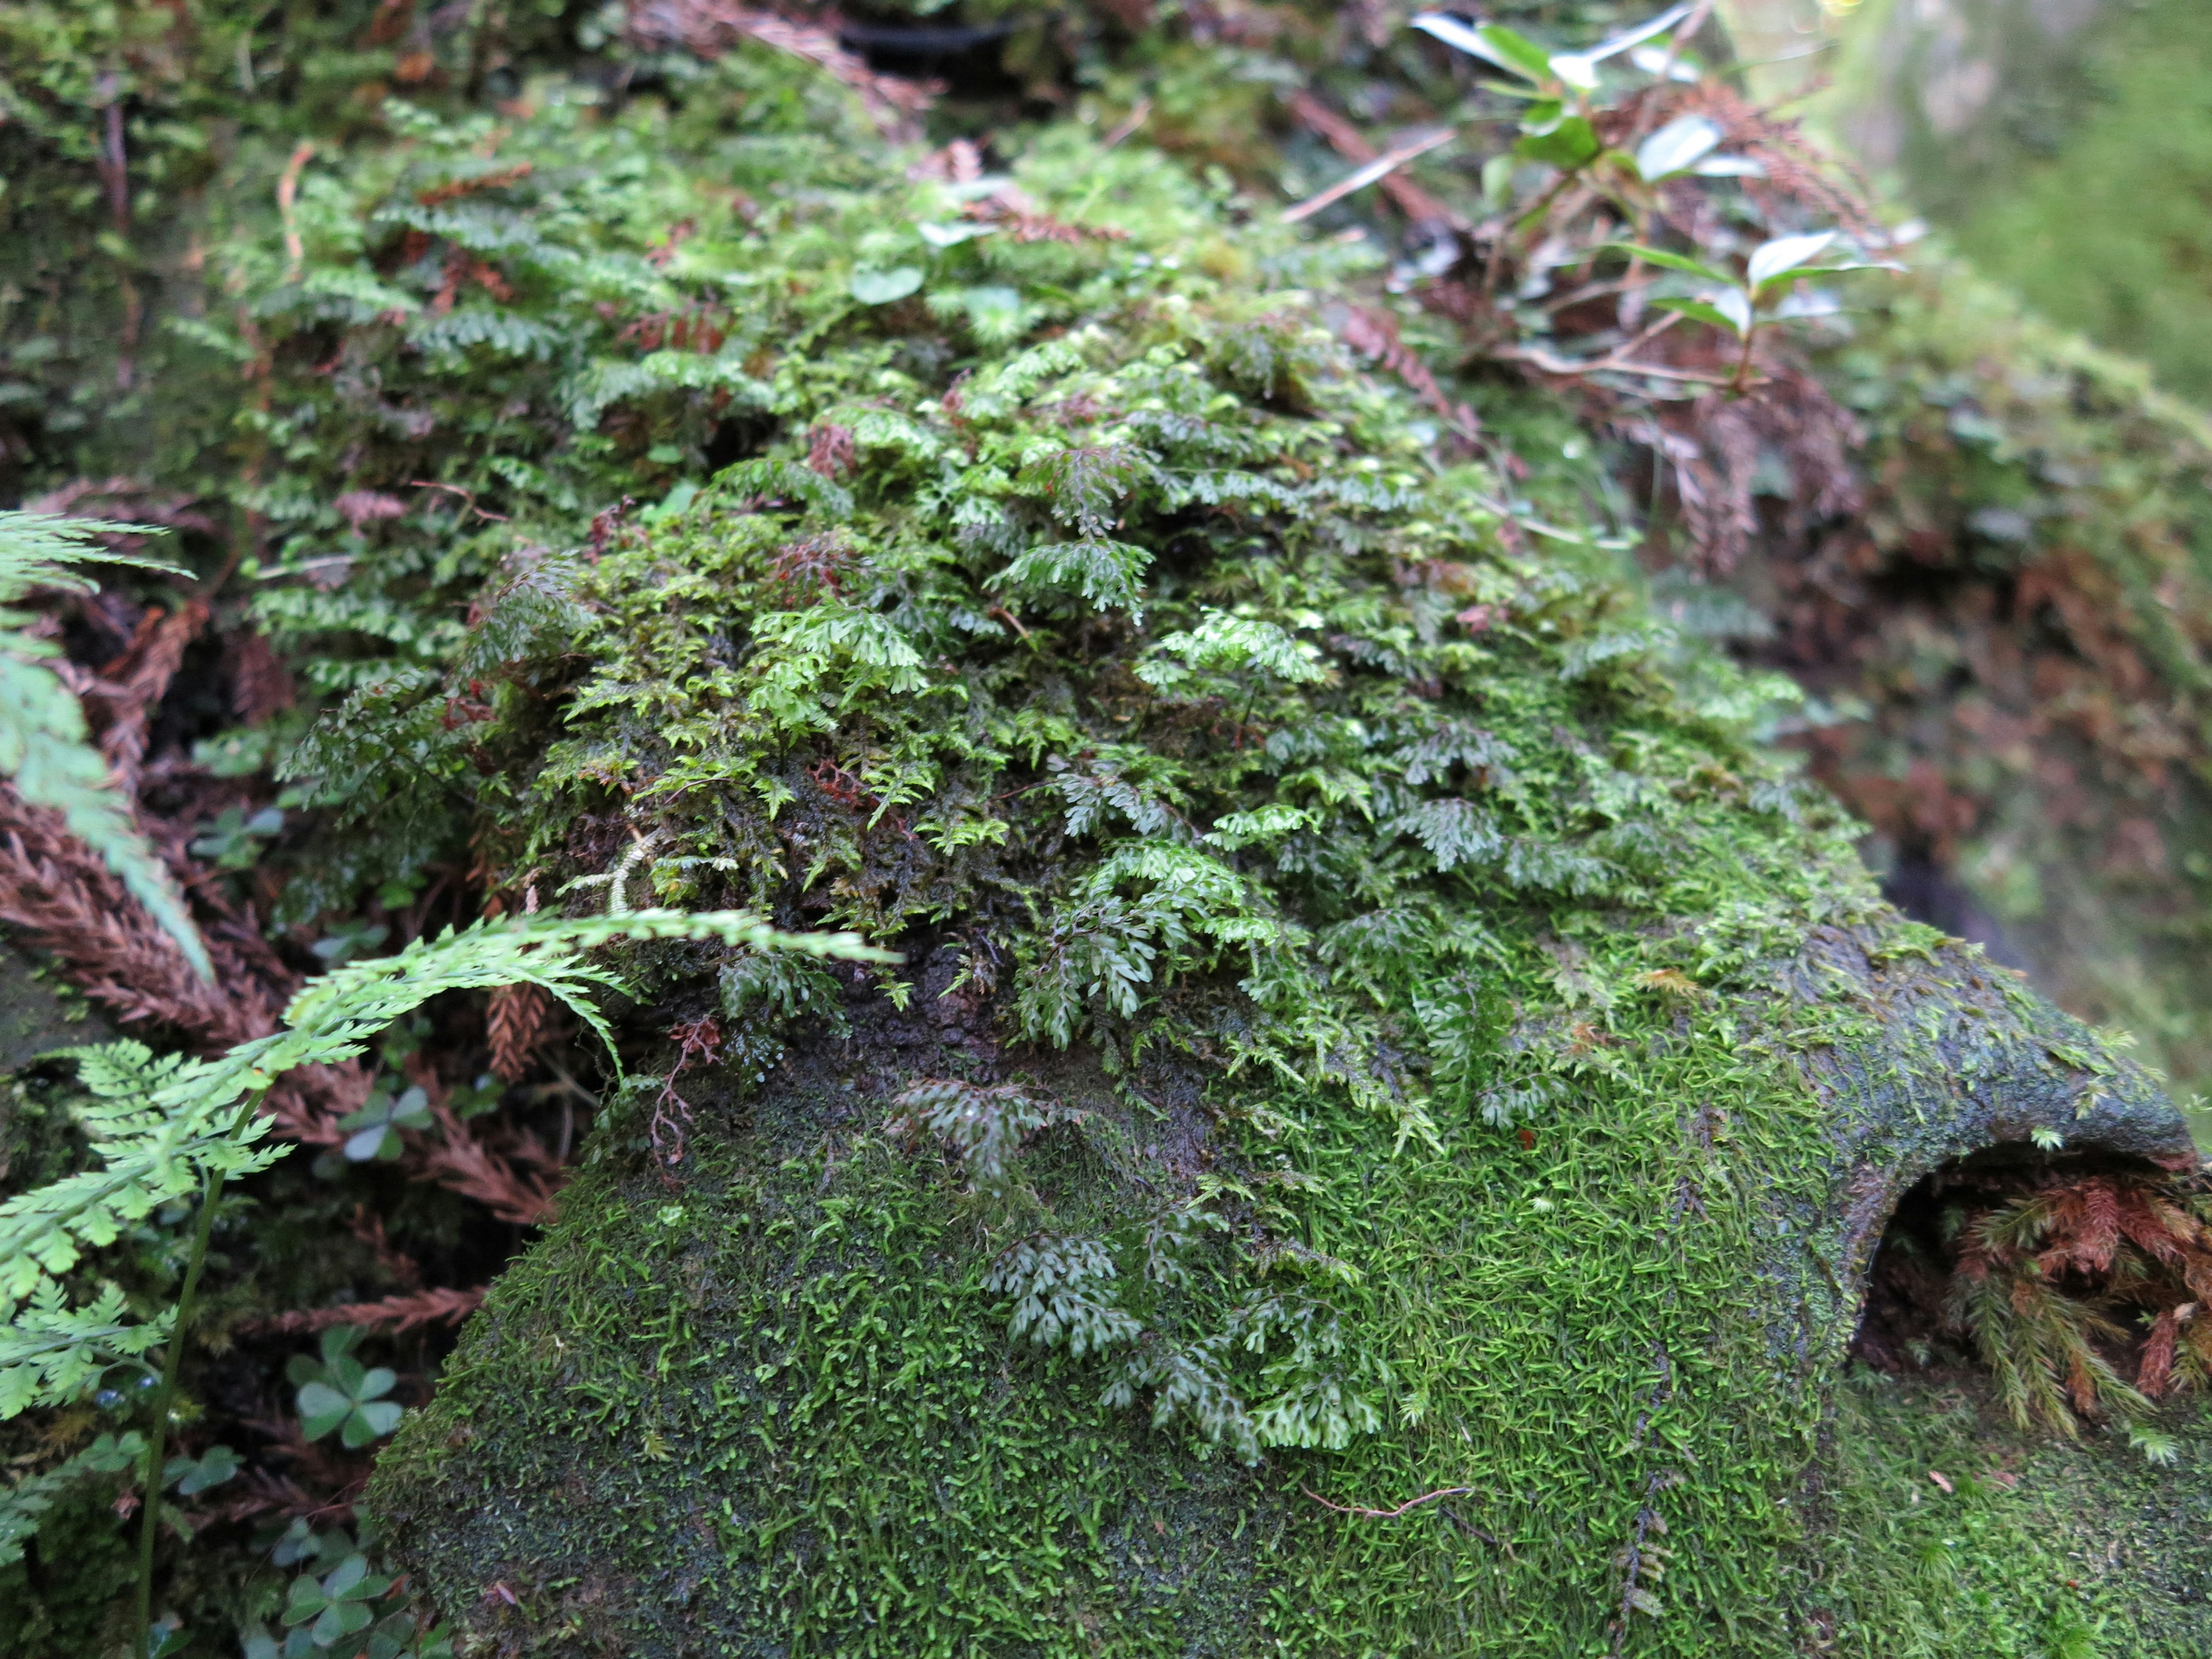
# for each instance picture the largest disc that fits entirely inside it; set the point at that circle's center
(24, 1505)
(44, 747)
(164, 1128)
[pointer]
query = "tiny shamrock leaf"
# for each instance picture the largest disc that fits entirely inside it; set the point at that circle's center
(234, 841)
(344, 1395)
(191, 1476)
(375, 1127)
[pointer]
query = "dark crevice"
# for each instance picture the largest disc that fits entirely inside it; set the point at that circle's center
(1914, 1316)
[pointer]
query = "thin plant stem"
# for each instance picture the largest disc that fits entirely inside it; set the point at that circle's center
(171, 1363)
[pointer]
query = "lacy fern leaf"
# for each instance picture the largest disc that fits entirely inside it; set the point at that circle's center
(166, 1129)
(44, 747)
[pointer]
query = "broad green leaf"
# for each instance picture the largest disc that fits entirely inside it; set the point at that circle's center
(1494, 44)
(1729, 309)
(1675, 148)
(879, 288)
(1543, 116)
(1681, 262)
(1786, 253)
(1571, 144)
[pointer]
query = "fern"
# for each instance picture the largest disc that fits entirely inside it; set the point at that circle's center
(43, 747)
(986, 1126)
(23, 1506)
(166, 1128)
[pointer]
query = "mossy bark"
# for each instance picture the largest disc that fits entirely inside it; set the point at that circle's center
(773, 1412)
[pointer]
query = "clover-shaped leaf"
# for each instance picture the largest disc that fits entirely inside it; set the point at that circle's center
(342, 1394)
(234, 841)
(337, 1603)
(193, 1476)
(375, 1127)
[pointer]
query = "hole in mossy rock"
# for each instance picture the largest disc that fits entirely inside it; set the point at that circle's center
(2080, 1283)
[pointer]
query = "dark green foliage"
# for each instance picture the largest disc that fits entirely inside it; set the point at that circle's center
(1397, 831)
(1360, 1030)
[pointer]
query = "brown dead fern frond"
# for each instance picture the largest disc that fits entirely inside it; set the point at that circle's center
(517, 1022)
(394, 1314)
(2044, 1281)
(711, 27)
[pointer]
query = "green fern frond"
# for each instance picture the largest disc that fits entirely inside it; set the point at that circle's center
(44, 747)
(165, 1128)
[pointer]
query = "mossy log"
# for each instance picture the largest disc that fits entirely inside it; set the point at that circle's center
(1394, 1093)
(776, 1411)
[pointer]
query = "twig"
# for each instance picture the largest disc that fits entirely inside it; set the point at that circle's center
(288, 197)
(1129, 123)
(467, 495)
(1382, 166)
(1347, 141)
(1387, 1515)
(1544, 362)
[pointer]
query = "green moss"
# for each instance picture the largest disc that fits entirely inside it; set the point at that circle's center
(2040, 1547)
(1481, 1067)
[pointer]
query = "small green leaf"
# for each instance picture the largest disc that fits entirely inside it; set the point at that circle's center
(1729, 309)
(339, 1620)
(1681, 262)
(1784, 254)
(322, 1409)
(305, 1602)
(191, 1476)
(1491, 42)
(880, 288)
(1676, 147)
(371, 1422)
(1571, 144)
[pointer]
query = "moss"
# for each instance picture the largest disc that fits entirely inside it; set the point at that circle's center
(2040, 1547)
(1516, 1060)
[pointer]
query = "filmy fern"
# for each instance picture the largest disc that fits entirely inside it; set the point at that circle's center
(43, 747)
(166, 1128)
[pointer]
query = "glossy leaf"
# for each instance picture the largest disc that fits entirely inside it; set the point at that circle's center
(1676, 147)
(1770, 260)
(1494, 44)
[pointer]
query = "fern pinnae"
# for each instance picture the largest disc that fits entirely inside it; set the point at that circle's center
(169, 1128)
(44, 749)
